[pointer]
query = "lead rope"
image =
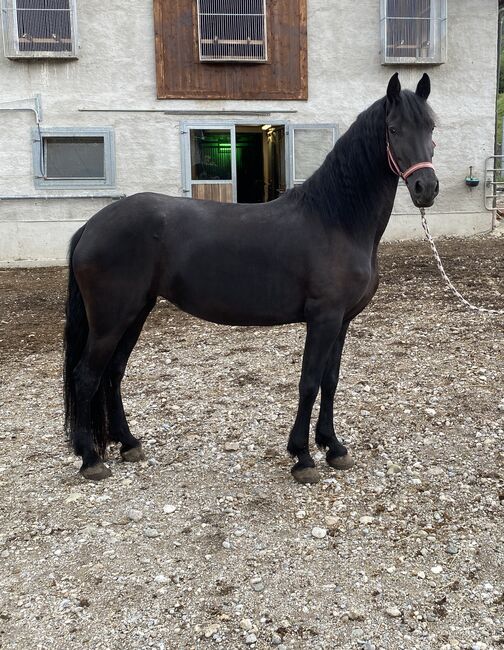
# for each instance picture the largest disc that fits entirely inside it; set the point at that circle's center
(456, 293)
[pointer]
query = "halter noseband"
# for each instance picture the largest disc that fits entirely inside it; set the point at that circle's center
(397, 170)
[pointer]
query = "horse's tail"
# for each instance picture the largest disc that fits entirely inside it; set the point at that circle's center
(75, 337)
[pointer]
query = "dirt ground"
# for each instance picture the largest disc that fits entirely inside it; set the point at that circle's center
(210, 543)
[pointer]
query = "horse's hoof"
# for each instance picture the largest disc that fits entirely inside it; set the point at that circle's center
(133, 455)
(96, 472)
(306, 475)
(341, 462)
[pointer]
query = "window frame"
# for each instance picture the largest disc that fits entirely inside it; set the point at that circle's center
(439, 55)
(205, 59)
(41, 181)
(11, 35)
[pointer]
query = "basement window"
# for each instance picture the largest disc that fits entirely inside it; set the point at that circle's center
(413, 31)
(66, 158)
(232, 30)
(39, 28)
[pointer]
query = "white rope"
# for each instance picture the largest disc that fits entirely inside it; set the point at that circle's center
(456, 293)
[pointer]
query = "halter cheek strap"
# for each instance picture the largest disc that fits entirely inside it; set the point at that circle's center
(397, 170)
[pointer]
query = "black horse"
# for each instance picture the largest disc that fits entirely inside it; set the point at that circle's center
(309, 256)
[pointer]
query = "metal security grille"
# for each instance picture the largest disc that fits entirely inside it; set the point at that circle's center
(413, 31)
(35, 28)
(232, 30)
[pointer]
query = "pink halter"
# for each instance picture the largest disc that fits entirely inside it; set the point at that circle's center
(397, 170)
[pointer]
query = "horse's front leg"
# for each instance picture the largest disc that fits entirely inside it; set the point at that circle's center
(320, 337)
(337, 454)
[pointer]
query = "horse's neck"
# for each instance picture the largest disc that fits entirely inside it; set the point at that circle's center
(355, 186)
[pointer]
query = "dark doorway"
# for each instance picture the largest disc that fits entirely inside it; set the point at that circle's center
(260, 163)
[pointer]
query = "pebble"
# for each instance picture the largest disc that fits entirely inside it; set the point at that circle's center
(231, 446)
(246, 624)
(355, 615)
(318, 533)
(430, 412)
(331, 521)
(393, 468)
(451, 549)
(394, 612)
(161, 579)
(257, 584)
(168, 509)
(437, 569)
(367, 519)
(210, 630)
(276, 639)
(151, 532)
(134, 515)
(250, 639)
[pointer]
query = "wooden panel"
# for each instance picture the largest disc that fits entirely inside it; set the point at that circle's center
(214, 191)
(180, 75)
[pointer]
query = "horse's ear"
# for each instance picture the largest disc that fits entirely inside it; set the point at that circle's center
(423, 88)
(393, 88)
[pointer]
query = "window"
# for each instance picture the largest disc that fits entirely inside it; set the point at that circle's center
(39, 28)
(73, 158)
(310, 144)
(232, 30)
(413, 31)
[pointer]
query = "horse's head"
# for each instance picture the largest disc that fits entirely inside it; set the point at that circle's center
(409, 126)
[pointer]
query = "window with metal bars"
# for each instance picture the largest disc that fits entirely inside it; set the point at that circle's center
(413, 31)
(34, 28)
(67, 157)
(232, 30)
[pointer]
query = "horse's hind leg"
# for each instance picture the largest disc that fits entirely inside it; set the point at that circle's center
(337, 455)
(89, 435)
(131, 448)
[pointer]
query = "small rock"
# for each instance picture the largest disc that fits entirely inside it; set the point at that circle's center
(318, 532)
(161, 579)
(231, 446)
(151, 532)
(210, 630)
(134, 515)
(246, 624)
(355, 615)
(73, 496)
(250, 639)
(437, 569)
(276, 639)
(451, 549)
(393, 468)
(168, 509)
(367, 519)
(331, 521)
(394, 612)
(430, 412)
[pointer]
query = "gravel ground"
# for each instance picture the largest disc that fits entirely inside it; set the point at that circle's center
(210, 543)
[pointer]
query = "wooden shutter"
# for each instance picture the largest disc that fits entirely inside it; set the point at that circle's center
(181, 75)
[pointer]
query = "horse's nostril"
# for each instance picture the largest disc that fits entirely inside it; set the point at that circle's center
(418, 187)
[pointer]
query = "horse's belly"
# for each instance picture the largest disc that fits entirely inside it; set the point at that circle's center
(240, 298)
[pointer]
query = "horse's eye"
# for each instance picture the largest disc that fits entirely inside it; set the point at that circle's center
(392, 130)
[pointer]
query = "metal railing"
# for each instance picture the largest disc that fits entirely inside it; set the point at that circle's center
(494, 185)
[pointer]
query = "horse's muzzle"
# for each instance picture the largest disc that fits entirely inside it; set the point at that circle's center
(424, 187)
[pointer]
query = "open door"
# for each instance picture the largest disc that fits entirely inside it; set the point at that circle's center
(210, 162)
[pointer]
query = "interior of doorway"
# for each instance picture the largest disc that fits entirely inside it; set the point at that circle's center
(260, 162)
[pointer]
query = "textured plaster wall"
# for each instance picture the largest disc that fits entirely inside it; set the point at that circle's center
(116, 70)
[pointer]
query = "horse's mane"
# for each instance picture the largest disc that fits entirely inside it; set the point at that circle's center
(336, 190)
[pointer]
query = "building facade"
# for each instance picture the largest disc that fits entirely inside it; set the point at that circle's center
(235, 100)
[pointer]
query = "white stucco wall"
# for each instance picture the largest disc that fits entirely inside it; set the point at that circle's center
(116, 70)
